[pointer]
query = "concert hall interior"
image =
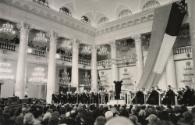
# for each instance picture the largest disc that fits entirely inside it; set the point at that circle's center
(93, 54)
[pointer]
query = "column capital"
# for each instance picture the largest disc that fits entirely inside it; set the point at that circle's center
(75, 41)
(112, 42)
(52, 34)
(137, 38)
(23, 25)
(94, 47)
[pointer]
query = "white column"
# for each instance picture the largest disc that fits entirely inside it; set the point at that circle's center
(75, 65)
(170, 72)
(114, 68)
(21, 63)
(139, 53)
(191, 7)
(94, 82)
(51, 83)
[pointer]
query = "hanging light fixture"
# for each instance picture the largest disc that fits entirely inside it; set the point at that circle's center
(86, 50)
(40, 37)
(7, 31)
(103, 51)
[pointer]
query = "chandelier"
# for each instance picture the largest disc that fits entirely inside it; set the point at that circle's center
(65, 77)
(86, 50)
(85, 81)
(6, 73)
(7, 31)
(103, 51)
(38, 75)
(40, 37)
(67, 45)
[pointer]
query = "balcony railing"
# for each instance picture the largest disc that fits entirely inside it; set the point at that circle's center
(7, 46)
(106, 63)
(66, 58)
(126, 61)
(182, 50)
(85, 62)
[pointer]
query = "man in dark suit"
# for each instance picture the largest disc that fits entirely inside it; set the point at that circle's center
(118, 85)
(170, 96)
(139, 98)
(153, 99)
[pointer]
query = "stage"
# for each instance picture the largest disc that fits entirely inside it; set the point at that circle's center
(116, 102)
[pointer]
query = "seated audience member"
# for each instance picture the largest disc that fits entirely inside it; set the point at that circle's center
(186, 119)
(153, 120)
(134, 119)
(100, 120)
(119, 121)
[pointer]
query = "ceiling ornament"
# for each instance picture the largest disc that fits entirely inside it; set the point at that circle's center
(103, 20)
(7, 31)
(150, 4)
(40, 37)
(85, 19)
(65, 10)
(124, 13)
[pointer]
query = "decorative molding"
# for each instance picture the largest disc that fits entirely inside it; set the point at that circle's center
(126, 22)
(48, 13)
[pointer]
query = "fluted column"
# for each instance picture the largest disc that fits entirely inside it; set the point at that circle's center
(94, 83)
(114, 68)
(170, 72)
(191, 7)
(75, 65)
(139, 53)
(51, 83)
(21, 62)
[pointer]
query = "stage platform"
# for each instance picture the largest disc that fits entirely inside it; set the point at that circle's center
(116, 102)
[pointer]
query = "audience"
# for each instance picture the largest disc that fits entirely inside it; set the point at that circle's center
(37, 112)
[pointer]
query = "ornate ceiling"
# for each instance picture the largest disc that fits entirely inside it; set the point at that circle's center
(99, 11)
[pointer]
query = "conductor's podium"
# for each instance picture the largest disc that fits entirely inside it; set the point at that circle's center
(116, 102)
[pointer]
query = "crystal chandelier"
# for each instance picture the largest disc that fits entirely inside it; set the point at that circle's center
(103, 51)
(86, 79)
(86, 50)
(40, 37)
(65, 77)
(7, 31)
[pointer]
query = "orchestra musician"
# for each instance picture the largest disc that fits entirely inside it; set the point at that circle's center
(169, 98)
(154, 97)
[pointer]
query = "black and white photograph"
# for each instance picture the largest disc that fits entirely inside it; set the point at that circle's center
(97, 62)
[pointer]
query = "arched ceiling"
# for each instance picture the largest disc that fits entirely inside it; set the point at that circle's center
(96, 9)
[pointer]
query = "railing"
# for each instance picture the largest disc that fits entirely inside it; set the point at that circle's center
(66, 58)
(104, 63)
(8, 46)
(182, 50)
(38, 52)
(126, 61)
(85, 62)
(42, 2)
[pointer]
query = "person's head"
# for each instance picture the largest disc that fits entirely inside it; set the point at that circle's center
(134, 119)
(187, 116)
(119, 121)
(169, 87)
(109, 115)
(193, 112)
(152, 118)
(28, 119)
(100, 120)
